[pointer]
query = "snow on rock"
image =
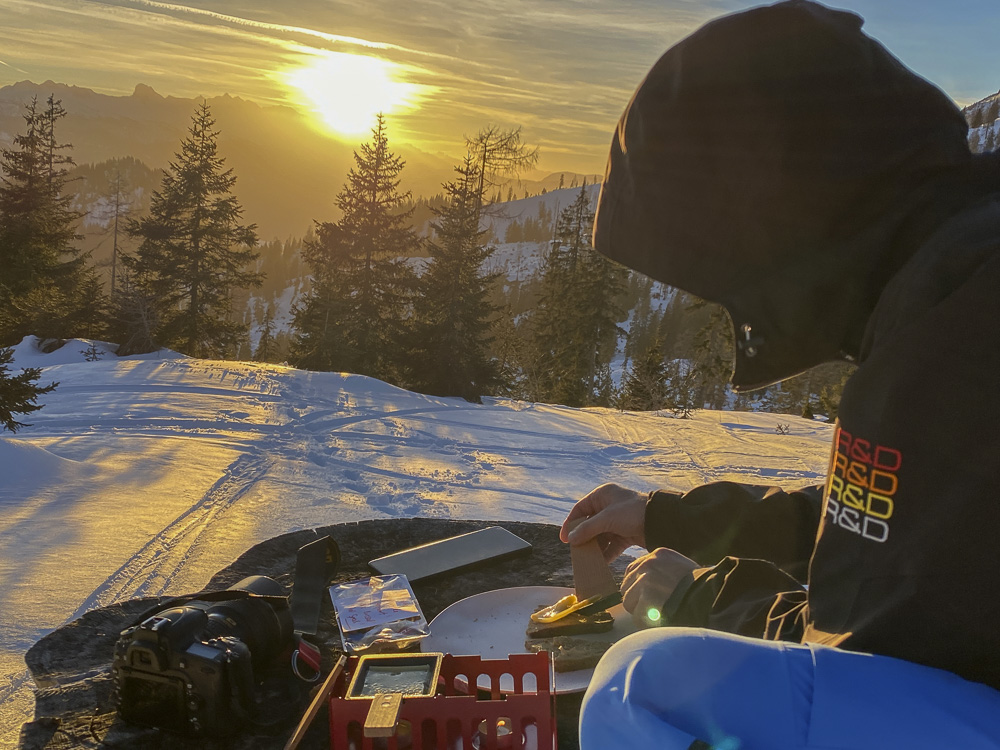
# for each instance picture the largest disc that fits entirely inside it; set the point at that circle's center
(38, 352)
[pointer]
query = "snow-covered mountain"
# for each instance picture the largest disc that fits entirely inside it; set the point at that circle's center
(145, 475)
(984, 124)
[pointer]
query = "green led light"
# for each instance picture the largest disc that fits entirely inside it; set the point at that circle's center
(653, 614)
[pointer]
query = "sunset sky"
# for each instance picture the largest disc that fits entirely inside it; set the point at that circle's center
(439, 69)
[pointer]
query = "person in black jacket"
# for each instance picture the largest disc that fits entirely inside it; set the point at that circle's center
(785, 165)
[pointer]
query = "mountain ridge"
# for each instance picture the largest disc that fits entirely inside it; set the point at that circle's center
(288, 172)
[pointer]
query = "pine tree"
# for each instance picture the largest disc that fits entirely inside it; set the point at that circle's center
(194, 249)
(574, 325)
(266, 346)
(509, 349)
(18, 393)
(645, 384)
(713, 355)
(46, 288)
(355, 318)
(815, 391)
(452, 311)
(134, 314)
(605, 392)
(682, 387)
(121, 204)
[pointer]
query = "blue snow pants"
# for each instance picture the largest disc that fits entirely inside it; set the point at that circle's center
(667, 688)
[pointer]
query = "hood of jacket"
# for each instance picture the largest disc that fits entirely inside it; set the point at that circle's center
(782, 163)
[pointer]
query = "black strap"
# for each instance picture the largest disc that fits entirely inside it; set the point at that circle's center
(315, 565)
(228, 595)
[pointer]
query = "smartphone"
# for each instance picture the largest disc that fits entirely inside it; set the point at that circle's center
(452, 554)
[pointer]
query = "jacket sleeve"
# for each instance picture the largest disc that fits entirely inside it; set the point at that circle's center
(741, 520)
(742, 596)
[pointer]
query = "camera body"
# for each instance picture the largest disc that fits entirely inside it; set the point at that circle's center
(190, 668)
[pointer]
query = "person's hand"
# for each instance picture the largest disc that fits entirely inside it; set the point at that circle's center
(650, 580)
(615, 516)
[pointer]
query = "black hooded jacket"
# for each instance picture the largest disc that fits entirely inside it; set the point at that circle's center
(785, 165)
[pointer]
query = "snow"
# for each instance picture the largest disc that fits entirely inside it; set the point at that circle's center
(554, 201)
(145, 475)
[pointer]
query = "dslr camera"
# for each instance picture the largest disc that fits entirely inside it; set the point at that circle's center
(190, 668)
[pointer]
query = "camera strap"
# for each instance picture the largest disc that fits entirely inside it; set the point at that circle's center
(316, 563)
(229, 595)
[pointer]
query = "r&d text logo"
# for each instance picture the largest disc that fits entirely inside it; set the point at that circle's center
(863, 482)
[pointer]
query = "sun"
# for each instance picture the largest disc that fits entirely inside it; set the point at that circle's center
(346, 91)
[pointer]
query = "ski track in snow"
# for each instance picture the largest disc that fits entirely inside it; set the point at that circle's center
(337, 448)
(151, 570)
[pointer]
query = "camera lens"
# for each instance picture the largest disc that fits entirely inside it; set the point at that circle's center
(265, 627)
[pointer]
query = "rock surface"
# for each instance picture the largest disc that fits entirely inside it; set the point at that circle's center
(71, 666)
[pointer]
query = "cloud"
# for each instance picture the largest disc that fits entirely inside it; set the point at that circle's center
(562, 69)
(13, 67)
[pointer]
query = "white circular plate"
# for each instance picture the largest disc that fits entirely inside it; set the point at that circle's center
(492, 625)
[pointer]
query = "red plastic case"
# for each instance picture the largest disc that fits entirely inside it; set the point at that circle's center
(451, 719)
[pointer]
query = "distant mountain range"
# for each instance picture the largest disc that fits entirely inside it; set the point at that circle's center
(288, 173)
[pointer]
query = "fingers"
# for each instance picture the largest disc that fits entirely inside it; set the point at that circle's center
(598, 524)
(589, 505)
(630, 583)
(582, 509)
(650, 580)
(643, 600)
(630, 593)
(611, 546)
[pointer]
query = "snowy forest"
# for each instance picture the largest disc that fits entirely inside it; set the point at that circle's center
(414, 291)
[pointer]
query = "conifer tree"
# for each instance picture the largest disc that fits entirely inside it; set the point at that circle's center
(266, 346)
(120, 204)
(46, 287)
(681, 388)
(134, 314)
(452, 311)
(574, 326)
(355, 319)
(194, 249)
(510, 350)
(713, 355)
(645, 384)
(18, 393)
(605, 392)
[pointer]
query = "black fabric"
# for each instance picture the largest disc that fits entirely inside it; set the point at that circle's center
(906, 559)
(735, 596)
(726, 518)
(921, 411)
(785, 165)
(782, 163)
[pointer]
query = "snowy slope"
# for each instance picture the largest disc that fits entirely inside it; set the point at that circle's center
(143, 476)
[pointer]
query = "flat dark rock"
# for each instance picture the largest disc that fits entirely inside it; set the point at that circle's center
(71, 666)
